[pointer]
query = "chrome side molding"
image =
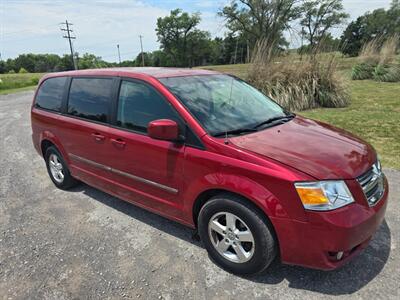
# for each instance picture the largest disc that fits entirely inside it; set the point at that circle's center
(121, 173)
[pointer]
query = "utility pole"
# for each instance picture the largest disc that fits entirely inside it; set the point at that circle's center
(302, 36)
(248, 51)
(237, 41)
(70, 38)
(119, 54)
(141, 46)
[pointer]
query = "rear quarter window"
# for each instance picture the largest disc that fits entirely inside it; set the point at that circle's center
(50, 94)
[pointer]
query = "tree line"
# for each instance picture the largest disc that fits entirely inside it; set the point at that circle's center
(183, 44)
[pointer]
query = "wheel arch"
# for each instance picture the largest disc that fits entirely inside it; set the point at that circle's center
(48, 139)
(44, 145)
(206, 195)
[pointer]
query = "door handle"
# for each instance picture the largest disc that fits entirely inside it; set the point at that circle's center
(98, 137)
(118, 142)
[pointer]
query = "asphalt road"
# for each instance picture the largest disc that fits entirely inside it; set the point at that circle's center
(86, 244)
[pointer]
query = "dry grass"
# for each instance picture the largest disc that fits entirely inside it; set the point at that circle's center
(298, 84)
(389, 50)
(377, 61)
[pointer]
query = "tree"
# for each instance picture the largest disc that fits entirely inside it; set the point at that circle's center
(327, 44)
(177, 34)
(261, 19)
(26, 61)
(65, 63)
(91, 61)
(380, 22)
(148, 59)
(318, 17)
(161, 59)
(3, 67)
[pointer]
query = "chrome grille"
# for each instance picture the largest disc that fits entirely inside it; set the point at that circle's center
(372, 183)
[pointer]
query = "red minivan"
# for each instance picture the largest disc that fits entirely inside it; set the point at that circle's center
(210, 151)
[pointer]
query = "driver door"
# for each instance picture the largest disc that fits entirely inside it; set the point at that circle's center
(146, 171)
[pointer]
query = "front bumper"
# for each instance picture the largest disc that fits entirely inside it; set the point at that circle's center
(315, 243)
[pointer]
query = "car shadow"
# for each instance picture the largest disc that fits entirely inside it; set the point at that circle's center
(346, 280)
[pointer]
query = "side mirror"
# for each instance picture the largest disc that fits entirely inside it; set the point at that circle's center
(163, 129)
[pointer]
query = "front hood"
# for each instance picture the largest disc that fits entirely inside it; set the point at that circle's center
(315, 148)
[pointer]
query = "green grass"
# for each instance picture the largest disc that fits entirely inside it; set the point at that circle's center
(373, 115)
(14, 82)
(17, 90)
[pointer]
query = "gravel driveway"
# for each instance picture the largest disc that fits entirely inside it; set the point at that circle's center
(86, 244)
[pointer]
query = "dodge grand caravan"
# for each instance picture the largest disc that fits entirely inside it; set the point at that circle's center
(211, 152)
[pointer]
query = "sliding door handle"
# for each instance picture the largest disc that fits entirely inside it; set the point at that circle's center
(98, 137)
(118, 142)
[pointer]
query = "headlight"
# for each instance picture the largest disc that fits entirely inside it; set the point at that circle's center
(324, 195)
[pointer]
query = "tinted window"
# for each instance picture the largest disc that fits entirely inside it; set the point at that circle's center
(90, 98)
(50, 93)
(140, 104)
(223, 103)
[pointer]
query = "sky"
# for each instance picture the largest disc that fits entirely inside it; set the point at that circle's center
(33, 26)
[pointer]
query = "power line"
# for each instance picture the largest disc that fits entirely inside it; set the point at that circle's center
(70, 38)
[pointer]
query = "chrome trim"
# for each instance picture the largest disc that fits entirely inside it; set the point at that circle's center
(90, 162)
(373, 181)
(128, 175)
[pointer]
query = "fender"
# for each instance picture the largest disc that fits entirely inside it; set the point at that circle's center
(48, 135)
(243, 186)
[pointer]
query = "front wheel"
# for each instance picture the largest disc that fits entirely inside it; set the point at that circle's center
(236, 235)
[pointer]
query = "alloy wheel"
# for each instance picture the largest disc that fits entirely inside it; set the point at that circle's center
(56, 168)
(231, 237)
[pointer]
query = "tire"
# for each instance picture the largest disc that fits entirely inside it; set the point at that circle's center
(63, 180)
(245, 254)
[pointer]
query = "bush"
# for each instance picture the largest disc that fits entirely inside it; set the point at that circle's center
(11, 72)
(387, 73)
(378, 61)
(362, 71)
(22, 71)
(298, 85)
(35, 80)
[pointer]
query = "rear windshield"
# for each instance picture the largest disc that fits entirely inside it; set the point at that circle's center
(50, 94)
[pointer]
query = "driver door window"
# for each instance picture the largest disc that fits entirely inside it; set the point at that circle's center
(139, 104)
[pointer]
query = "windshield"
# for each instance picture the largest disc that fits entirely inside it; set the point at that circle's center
(222, 103)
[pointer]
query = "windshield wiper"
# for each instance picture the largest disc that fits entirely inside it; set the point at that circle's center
(234, 132)
(273, 121)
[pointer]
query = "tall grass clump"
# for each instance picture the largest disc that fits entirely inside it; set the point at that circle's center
(378, 61)
(298, 84)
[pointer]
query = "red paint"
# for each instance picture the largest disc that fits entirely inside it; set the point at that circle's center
(331, 153)
(163, 130)
(261, 167)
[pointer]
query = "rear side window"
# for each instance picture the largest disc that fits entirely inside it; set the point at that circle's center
(50, 94)
(139, 104)
(90, 98)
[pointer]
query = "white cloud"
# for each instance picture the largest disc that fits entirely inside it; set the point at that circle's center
(33, 26)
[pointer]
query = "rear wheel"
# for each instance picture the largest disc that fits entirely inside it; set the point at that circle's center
(236, 235)
(58, 170)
